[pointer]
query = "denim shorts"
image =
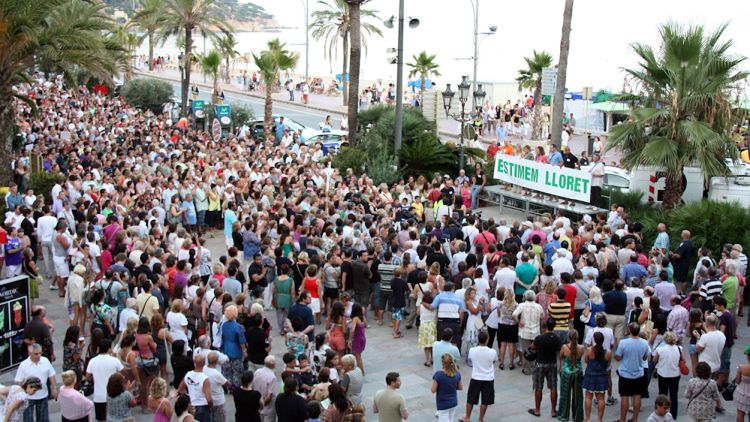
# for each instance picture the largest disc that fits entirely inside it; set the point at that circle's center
(691, 349)
(726, 358)
(375, 288)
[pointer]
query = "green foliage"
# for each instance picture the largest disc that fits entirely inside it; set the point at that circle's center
(530, 77)
(42, 183)
(413, 124)
(380, 167)
(147, 93)
(423, 65)
(353, 158)
(241, 115)
(372, 114)
(682, 105)
(330, 23)
(426, 156)
(712, 224)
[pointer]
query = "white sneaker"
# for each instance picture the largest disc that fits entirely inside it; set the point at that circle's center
(52, 287)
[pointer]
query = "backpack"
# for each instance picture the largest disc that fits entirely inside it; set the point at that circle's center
(108, 298)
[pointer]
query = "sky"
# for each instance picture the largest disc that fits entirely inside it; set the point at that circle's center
(602, 31)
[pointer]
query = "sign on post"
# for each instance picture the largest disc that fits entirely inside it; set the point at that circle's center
(552, 180)
(549, 80)
(587, 92)
(14, 314)
(224, 114)
(198, 109)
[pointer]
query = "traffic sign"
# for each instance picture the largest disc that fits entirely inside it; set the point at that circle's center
(549, 80)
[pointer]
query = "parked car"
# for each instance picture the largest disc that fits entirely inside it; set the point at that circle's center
(293, 125)
(331, 140)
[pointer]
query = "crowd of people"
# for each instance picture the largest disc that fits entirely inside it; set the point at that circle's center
(158, 321)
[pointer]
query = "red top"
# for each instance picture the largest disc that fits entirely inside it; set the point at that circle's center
(570, 297)
(311, 286)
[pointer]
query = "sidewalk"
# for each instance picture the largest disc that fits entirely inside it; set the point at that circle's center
(447, 128)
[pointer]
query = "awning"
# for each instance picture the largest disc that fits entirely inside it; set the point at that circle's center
(611, 107)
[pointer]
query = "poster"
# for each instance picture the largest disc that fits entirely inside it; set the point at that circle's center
(553, 180)
(14, 313)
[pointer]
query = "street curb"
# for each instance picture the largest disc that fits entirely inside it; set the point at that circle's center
(451, 135)
(248, 93)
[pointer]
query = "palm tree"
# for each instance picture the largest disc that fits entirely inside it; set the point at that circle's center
(186, 16)
(332, 24)
(227, 45)
(424, 65)
(149, 19)
(270, 63)
(210, 63)
(531, 78)
(65, 36)
(355, 50)
(682, 111)
(562, 73)
(130, 42)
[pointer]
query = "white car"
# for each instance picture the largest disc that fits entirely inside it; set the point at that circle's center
(331, 140)
(614, 177)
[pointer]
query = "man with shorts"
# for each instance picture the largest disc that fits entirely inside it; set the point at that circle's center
(631, 353)
(727, 325)
(547, 347)
(482, 382)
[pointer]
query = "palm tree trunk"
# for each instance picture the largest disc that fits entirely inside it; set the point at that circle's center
(345, 68)
(151, 50)
(673, 189)
(536, 128)
(7, 118)
(227, 80)
(187, 65)
(268, 112)
(354, 64)
(422, 87)
(562, 73)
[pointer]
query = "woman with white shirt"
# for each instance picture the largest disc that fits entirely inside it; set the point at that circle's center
(667, 358)
(177, 322)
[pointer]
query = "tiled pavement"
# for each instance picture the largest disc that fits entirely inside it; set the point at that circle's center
(384, 354)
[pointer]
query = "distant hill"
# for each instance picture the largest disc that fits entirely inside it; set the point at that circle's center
(242, 16)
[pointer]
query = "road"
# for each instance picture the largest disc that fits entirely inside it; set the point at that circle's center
(305, 116)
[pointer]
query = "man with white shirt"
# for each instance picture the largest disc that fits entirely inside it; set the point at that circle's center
(458, 257)
(470, 231)
(129, 312)
(99, 369)
(40, 367)
(503, 231)
(218, 381)
(482, 381)
(561, 264)
(198, 386)
(505, 276)
(45, 230)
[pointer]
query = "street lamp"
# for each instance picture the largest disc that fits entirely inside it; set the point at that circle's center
(462, 117)
(492, 31)
(413, 23)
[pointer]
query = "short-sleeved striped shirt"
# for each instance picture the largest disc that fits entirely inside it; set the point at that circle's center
(710, 288)
(560, 312)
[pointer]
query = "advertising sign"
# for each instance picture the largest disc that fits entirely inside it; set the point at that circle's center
(14, 313)
(198, 109)
(224, 114)
(552, 180)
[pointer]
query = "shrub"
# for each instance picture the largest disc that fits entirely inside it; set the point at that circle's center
(380, 167)
(711, 223)
(350, 158)
(147, 93)
(426, 156)
(42, 183)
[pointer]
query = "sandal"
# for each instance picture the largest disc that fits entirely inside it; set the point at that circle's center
(502, 366)
(532, 412)
(397, 335)
(511, 367)
(427, 364)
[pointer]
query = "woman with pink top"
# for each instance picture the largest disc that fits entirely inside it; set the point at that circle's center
(74, 406)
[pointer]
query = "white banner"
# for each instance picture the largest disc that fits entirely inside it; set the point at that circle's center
(553, 180)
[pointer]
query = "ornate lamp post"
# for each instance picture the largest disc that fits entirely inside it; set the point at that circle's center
(462, 117)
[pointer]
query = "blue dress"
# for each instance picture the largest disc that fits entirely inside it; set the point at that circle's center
(595, 377)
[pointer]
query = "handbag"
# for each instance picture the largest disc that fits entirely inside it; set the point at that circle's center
(529, 354)
(150, 366)
(728, 392)
(683, 365)
(87, 387)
